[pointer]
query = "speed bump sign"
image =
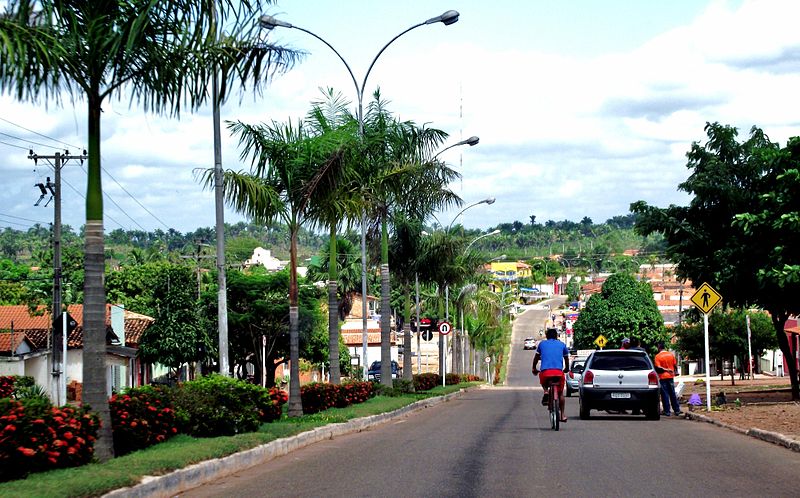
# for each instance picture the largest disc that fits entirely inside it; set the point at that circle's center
(601, 341)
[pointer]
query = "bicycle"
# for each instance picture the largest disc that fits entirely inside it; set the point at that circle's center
(554, 402)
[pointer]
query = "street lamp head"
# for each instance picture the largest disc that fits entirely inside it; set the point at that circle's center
(269, 22)
(494, 232)
(448, 18)
(489, 200)
(473, 140)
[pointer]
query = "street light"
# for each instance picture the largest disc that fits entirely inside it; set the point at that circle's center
(488, 200)
(473, 140)
(493, 232)
(447, 18)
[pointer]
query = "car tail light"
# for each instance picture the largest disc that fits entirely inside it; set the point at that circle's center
(571, 375)
(652, 378)
(588, 378)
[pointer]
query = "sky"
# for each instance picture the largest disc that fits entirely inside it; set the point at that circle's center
(581, 107)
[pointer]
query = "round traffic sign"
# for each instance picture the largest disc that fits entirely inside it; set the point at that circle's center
(488, 359)
(444, 328)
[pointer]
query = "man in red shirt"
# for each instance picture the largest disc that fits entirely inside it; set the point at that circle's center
(667, 367)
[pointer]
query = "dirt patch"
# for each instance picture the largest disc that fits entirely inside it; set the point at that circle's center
(764, 404)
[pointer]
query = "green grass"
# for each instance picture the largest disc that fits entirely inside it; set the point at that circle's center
(181, 451)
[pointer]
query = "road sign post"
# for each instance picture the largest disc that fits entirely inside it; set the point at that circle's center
(444, 329)
(706, 298)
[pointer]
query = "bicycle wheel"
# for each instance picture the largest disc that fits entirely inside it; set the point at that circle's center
(556, 413)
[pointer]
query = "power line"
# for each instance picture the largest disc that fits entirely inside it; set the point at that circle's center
(14, 145)
(40, 134)
(135, 200)
(27, 141)
(21, 218)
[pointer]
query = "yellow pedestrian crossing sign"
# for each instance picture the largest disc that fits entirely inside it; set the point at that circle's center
(601, 341)
(706, 298)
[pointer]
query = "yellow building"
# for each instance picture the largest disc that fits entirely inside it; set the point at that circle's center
(506, 274)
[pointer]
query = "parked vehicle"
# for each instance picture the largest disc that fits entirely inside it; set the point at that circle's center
(530, 343)
(619, 379)
(574, 375)
(374, 372)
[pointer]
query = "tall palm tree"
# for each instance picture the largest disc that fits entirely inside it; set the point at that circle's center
(163, 53)
(400, 176)
(330, 208)
(289, 165)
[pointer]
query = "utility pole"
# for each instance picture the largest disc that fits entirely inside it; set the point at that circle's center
(59, 340)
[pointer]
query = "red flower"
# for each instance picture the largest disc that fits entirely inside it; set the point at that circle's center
(26, 451)
(67, 436)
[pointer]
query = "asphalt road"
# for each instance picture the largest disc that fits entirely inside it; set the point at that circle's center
(497, 442)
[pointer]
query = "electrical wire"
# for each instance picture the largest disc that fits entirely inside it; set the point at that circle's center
(39, 134)
(21, 218)
(26, 140)
(13, 145)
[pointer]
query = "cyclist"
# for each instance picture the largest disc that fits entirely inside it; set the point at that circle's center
(555, 363)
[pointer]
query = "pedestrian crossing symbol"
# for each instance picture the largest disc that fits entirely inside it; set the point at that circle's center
(601, 341)
(706, 298)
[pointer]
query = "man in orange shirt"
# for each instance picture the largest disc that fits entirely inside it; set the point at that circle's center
(667, 366)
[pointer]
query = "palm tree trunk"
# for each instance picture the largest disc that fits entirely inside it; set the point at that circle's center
(386, 312)
(94, 295)
(333, 311)
(407, 366)
(295, 408)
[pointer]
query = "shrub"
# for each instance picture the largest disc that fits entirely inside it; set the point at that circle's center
(36, 436)
(405, 386)
(318, 396)
(141, 417)
(220, 406)
(426, 381)
(273, 412)
(470, 378)
(452, 379)
(12, 385)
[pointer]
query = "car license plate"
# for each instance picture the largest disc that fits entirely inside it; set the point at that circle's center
(620, 395)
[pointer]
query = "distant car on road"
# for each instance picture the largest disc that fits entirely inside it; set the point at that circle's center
(574, 375)
(374, 372)
(530, 343)
(619, 379)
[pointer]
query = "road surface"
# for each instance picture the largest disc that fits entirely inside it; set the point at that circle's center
(497, 441)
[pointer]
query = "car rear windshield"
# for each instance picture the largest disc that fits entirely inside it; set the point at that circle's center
(620, 362)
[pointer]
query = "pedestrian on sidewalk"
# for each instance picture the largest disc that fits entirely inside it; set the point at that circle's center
(666, 366)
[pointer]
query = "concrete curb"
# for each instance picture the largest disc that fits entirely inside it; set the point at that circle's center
(190, 477)
(770, 437)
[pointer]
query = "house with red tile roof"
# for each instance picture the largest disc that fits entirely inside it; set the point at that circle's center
(26, 349)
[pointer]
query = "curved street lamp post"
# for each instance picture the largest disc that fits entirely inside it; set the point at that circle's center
(447, 18)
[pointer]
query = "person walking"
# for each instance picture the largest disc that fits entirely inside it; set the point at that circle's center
(666, 366)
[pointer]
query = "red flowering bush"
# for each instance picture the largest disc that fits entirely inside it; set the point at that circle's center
(36, 436)
(141, 417)
(470, 378)
(6, 386)
(452, 379)
(273, 411)
(319, 396)
(426, 381)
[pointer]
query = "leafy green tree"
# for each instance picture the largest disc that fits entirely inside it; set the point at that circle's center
(164, 54)
(574, 288)
(624, 307)
(739, 230)
(727, 336)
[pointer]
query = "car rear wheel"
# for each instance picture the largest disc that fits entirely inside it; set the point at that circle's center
(584, 410)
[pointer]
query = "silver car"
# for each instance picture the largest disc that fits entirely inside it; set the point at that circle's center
(619, 379)
(574, 375)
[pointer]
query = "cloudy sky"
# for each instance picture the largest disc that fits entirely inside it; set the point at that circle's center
(582, 107)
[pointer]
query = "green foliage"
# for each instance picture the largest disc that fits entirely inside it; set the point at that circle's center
(452, 379)
(573, 288)
(36, 436)
(727, 335)
(623, 308)
(220, 406)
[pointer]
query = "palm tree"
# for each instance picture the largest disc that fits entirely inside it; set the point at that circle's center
(164, 53)
(332, 206)
(289, 165)
(400, 176)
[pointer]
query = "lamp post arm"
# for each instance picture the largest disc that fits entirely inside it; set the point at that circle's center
(462, 211)
(479, 238)
(375, 59)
